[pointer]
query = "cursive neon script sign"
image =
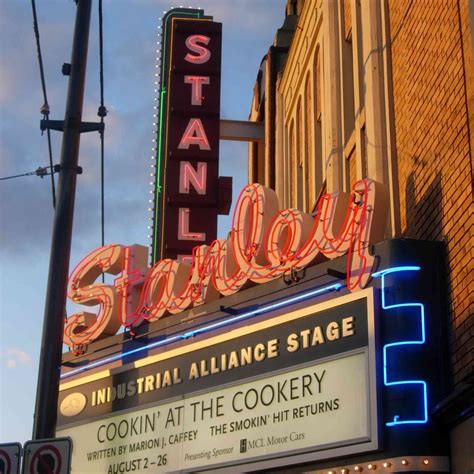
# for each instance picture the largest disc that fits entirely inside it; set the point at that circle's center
(265, 243)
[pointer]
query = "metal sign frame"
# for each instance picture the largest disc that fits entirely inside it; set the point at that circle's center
(6, 455)
(325, 451)
(61, 447)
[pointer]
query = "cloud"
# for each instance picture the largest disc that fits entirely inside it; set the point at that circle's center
(14, 357)
(129, 60)
(258, 20)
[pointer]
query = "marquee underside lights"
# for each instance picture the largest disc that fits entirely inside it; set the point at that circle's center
(187, 197)
(265, 243)
(398, 464)
(390, 351)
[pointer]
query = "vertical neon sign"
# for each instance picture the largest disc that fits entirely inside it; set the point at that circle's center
(389, 352)
(186, 201)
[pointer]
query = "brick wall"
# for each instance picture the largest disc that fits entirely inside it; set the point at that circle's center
(430, 64)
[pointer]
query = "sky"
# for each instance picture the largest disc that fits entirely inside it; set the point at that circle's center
(26, 213)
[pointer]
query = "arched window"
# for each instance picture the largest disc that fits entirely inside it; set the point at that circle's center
(318, 127)
(299, 159)
(309, 177)
(291, 161)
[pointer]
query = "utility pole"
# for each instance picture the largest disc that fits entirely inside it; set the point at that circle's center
(55, 308)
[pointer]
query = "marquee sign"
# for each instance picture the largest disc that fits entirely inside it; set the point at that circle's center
(189, 193)
(268, 392)
(265, 243)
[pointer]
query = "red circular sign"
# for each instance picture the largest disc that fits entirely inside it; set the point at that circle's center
(7, 464)
(46, 460)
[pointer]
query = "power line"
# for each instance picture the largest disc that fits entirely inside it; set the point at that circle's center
(41, 172)
(45, 108)
(102, 112)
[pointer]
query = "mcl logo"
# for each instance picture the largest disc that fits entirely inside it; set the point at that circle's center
(247, 444)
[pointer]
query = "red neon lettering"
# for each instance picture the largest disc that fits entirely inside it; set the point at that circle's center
(264, 243)
(203, 54)
(188, 175)
(129, 284)
(153, 300)
(201, 275)
(249, 223)
(286, 235)
(188, 259)
(82, 327)
(196, 87)
(183, 227)
(194, 135)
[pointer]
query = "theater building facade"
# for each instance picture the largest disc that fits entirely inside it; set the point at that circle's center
(331, 330)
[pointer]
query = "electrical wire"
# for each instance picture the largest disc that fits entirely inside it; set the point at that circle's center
(45, 108)
(41, 172)
(102, 112)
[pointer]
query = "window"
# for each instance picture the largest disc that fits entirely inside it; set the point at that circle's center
(299, 161)
(318, 167)
(310, 179)
(291, 161)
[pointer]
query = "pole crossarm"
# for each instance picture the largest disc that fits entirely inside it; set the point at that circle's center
(58, 125)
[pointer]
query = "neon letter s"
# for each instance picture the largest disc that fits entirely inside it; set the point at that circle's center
(82, 327)
(203, 54)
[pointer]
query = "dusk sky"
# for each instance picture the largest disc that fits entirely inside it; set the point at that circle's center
(130, 42)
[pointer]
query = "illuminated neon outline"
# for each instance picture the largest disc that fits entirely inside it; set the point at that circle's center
(189, 176)
(194, 131)
(192, 42)
(196, 83)
(159, 142)
(217, 262)
(183, 227)
(162, 203)
(386, 347)
(209, 327)
(164, 82)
